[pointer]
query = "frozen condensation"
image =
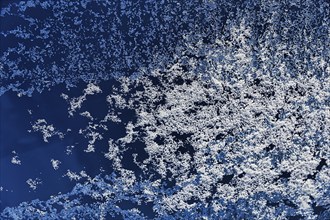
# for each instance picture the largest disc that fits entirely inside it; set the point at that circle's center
(224, 105)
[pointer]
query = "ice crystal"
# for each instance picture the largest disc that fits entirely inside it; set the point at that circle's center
(33, 183)
(55, 163)
(47, 131)
(223, 106)
(15, 159)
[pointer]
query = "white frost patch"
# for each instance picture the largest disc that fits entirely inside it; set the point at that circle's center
(92, 89)
(55, 163)
(76, 103)
(15, 159)
(69, 149)
(93, 134)
(73, 175)
(77, 176)
(113, 151)
(47, 131)
(130, 133)
(87, 115)
(33, 183)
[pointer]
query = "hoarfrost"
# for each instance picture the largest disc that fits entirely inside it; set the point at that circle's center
(76, 103)
(231, 107)
(15, 159)
(46, 130)
(55, 163)
(33, 183)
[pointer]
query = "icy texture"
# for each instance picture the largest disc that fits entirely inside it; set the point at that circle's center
(33, 184)
(231, 101)
(51, 42)
(46, 130)
(15, 159)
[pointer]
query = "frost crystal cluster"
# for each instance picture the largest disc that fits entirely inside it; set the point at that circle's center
(224, 106)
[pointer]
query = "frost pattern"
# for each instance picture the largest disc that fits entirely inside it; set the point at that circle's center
(46, 130)
(55, 163)
(67, 42)
(235, 123)
(15, 159)
(76, 103)
(33, 183)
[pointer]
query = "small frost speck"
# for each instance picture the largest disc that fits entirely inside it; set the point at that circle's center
(55, 163)
(15, 159)
(33, 184)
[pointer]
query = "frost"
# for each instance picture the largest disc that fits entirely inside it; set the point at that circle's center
(130, 133)
(46, 130)
(33, 183)
(113, 152)
(15, 159)
(91, 132)
(73, 176)
(92, 89)
(80, 176)
(69, 149)
(76, 103)
(224, 106)
(55, 163)
(87, 115)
